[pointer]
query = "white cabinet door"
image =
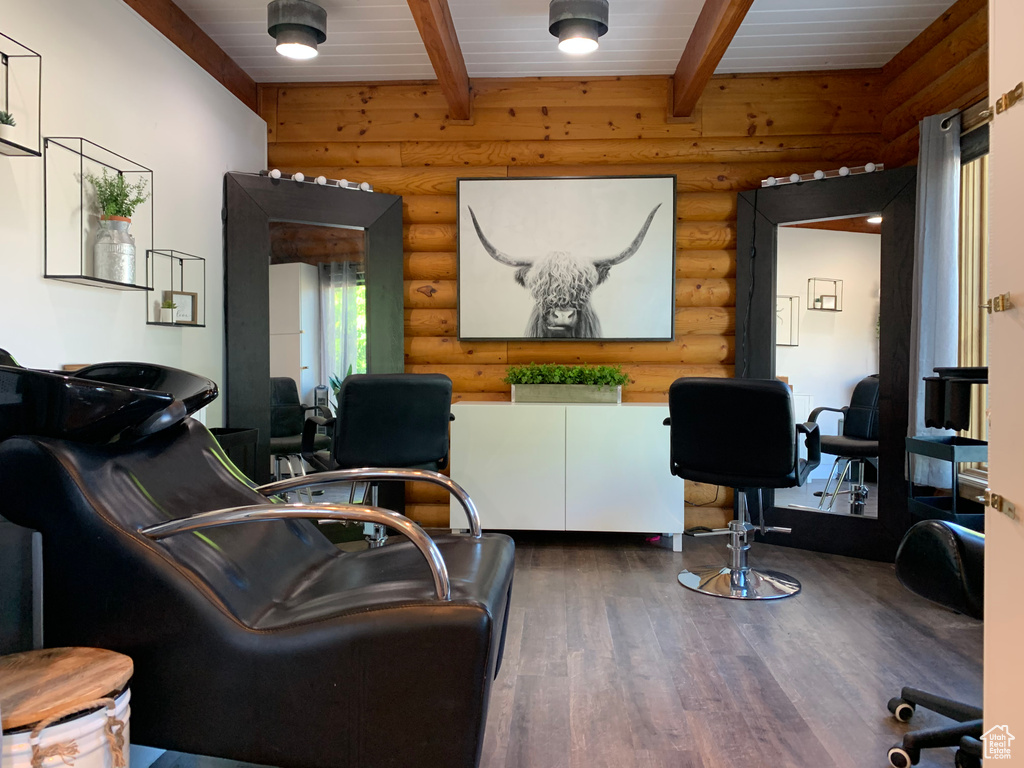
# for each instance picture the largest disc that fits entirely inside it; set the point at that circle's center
(617, 470)
(511, 461)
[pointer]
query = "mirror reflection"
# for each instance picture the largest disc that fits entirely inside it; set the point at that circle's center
(827, 327)
(317, 307)
(317, 329)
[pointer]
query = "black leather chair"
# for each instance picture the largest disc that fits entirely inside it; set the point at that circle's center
(287, 419)
(943, 562)
(253, 637)
(858, 444)
(739, 433)
(397, 420)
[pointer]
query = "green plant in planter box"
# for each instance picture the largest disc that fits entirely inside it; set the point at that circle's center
(168, 304)
(6, 118)
(115, 196)
(599, 375)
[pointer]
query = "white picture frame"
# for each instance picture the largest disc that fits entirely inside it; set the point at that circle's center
(598, 251)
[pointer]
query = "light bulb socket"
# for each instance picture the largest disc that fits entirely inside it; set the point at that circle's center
(297, 22)
(578, 18)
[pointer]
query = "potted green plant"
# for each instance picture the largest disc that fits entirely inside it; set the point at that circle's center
(114, 249)
(167, 308)
(6, 124)
(550, 383)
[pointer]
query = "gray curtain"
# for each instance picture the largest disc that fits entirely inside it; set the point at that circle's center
(935, 318)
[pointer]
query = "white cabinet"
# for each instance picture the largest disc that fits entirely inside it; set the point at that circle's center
(567, 467)
(295, 325)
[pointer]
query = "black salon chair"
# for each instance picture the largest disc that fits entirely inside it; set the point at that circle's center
(253, 637)
(945, 563)
(858, 444)
(397, 420)
(739, 433)
(287, 417)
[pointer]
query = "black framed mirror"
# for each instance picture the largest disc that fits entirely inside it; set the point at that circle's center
(252, 204)
(892, 194)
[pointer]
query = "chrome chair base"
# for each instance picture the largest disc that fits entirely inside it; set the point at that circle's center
(739, 583)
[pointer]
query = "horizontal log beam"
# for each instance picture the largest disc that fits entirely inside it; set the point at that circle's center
(689, 321)
(647, 378)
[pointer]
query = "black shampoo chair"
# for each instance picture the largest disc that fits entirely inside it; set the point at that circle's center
(397, 420)
(253, 637)
(943, 562)
(739, 433)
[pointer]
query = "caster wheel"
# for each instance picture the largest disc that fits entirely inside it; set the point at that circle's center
(901, 709)
(965, 760)
(903, 758)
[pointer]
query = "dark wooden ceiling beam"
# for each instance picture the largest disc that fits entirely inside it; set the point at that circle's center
(174, 24)
(716, 26)
(434, 21)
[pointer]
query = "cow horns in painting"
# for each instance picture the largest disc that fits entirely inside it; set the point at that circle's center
(561, 284)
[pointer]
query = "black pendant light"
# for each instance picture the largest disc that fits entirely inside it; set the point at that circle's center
(298, 26)
(577, 24)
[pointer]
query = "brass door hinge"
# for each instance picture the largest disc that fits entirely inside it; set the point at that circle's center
(1000, 504)
(999, 303)
(1010, 98)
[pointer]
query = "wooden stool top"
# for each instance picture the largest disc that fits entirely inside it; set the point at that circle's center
(36, 684)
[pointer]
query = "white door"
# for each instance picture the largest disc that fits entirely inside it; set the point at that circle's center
(616, 470)
(511, 461)
(1004, 537)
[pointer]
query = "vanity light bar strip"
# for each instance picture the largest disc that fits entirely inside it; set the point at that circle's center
(796, 178)
(323, 181)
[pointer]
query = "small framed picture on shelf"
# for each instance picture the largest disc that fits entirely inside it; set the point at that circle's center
(828, 302)
(185, 306)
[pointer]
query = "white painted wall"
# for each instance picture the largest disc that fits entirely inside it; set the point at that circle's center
(1004, 537)
(110, 77)
(837, 349)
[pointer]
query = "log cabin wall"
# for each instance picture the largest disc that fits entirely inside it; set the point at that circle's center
(942, 69)
(399, 138)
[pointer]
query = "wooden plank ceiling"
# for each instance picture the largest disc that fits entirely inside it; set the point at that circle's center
(378, 39)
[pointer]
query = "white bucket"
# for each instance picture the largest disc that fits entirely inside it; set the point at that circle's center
(85, 731)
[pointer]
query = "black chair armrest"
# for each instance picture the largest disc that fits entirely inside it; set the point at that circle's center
(380, 473)
(308, 449)
(361, 514)
(812, 440)
(323, 410)
(813, 418)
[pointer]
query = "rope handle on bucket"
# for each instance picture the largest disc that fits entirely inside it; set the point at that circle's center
(113, 730)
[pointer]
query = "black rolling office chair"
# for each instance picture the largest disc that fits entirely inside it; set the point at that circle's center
(393, 420)
(857, 444)
(253, 638)
(287, 417)
(943, 562)
(739, 433)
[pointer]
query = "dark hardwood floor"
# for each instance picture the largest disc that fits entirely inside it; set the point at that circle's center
(609, 662)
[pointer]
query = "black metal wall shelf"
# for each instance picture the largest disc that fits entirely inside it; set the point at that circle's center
(178, 276)
(71, 220)
(21, 82)
(825, 294)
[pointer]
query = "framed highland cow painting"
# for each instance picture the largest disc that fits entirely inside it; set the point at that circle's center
(567, 258)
